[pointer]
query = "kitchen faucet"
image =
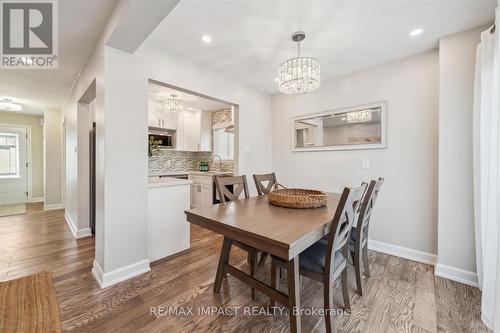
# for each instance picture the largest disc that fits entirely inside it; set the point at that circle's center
(220, 161)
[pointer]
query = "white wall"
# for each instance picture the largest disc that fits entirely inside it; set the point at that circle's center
(406, 212)
(457, 58)
(122, 124)
(53, 160)
(127, 126)
(150, 62)
(125, 138)
(93, 70)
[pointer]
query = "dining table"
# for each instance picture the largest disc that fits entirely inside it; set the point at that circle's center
(281, 232)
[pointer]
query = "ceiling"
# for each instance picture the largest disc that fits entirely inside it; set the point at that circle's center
(250, 39)
(80, 25)
(158, 93)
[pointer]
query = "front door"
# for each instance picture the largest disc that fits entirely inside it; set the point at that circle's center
(13, 166)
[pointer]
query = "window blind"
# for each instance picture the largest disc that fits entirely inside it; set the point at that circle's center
(223, 144)
(9, 154)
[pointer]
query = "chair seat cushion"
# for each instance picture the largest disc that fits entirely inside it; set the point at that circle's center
(313, 258)
(354, 233)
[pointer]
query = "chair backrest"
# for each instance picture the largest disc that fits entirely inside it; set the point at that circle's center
(259, 182)
(344, 218)
(239, 184)
(366, 208)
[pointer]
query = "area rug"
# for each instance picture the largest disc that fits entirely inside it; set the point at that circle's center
(29, 304)
(14, 209)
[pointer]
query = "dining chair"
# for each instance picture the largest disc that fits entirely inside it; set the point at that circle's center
(260, 180)
(263, 189)
(326, 260)
(239, 185)
(358, 242)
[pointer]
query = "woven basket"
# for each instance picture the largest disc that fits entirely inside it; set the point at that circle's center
(297, 198)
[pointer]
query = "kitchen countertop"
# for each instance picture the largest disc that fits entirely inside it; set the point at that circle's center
(167, 181)
(211, 173)
(193, 172)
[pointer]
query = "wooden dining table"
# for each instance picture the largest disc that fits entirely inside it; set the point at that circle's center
(281, 232)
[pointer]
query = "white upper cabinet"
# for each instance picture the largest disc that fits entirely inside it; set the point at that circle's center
(206, 131)
(160, 118)
(194, 128)
(194, 132)
(190, 130)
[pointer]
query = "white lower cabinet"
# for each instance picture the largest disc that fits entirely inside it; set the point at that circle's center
(201, 191)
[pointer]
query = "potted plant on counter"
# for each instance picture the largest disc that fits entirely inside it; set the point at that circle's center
(153, 146)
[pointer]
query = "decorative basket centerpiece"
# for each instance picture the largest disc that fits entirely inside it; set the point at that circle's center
(297, 198)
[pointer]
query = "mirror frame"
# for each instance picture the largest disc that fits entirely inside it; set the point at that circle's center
(383, 128)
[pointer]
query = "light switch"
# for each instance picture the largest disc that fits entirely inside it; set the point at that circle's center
(365, 164)
(246, 149)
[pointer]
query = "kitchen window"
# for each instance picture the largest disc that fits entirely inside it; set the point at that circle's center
(9, 155)
(223, 144)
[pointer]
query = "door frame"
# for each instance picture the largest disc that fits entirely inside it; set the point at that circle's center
(28, 155)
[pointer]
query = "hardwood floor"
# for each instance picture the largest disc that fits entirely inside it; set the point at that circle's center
(400, 296)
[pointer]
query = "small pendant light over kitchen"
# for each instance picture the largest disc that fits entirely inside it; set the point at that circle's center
(300, 75)
(173, 104)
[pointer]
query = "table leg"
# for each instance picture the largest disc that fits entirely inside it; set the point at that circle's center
(274, 280)
(253, 268)
(293, 276)
(223, 259)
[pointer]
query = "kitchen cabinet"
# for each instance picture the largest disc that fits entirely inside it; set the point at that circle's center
(201, 191)
(193, 128)
(191, 121)
(160, 118)
(206, 131)
(194, 132)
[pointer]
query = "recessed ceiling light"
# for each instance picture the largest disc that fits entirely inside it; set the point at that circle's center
(276, 79)
(206, 39)
(416, 32)
(8, 105)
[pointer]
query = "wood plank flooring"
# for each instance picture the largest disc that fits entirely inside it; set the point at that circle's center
(401, 295)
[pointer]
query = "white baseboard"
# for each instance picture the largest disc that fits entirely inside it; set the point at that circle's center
(403, 252)
(444, 271)
(40, 199)
(53, 206)
(488, 323)
(82, 233)
(118, 275)
(77, 233)
(456, 274)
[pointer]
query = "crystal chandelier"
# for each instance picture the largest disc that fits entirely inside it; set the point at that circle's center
(173, 104)
(356, 117)
(300, 75)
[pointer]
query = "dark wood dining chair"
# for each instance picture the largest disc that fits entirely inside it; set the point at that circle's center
(260, 183)
(326, 260)
(264, 188)
(239, 186)
(358, 243)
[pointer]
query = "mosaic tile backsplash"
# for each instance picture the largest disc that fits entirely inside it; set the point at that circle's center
(175, 162)
(221, 116)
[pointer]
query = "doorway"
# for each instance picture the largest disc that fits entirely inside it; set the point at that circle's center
(86, 159)
(14, 166)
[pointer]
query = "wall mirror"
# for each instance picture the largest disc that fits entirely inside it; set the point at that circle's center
(360, 127)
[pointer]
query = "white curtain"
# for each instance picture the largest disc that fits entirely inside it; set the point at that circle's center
(486, 153)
